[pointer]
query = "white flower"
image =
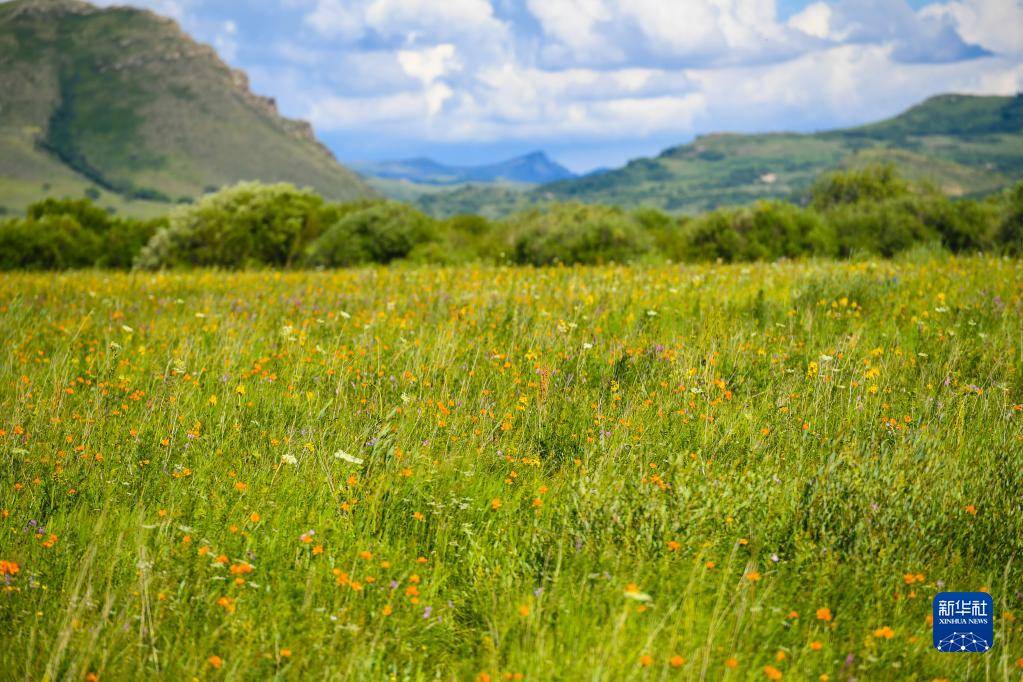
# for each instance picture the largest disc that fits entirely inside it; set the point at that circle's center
(341, 454)
(289, 459)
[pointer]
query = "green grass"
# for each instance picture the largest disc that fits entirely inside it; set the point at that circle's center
(686, 461)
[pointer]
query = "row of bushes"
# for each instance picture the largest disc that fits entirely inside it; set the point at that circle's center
(869, 211)
(58, 234)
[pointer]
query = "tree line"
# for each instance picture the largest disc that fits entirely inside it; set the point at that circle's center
(869, 211)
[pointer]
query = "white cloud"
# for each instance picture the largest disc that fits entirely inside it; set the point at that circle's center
(429, 64)
(994, 24)
(814, 20)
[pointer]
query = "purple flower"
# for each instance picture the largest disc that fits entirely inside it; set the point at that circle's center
(427, 611)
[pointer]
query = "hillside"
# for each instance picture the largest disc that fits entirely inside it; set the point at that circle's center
(121, 103)
(965, 145)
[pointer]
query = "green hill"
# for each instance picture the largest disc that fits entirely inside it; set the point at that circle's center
(121, 103)
(965, 145)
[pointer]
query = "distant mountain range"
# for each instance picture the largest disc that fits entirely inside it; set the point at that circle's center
(966, 145)
(120, 103)
(533, 169)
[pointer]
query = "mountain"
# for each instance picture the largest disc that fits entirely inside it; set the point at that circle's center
(966, 145)
(535, 169)
(122, 104)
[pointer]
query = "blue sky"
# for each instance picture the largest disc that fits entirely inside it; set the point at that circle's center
(596, 82)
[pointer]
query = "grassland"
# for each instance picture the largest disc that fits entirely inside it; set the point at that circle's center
(699, 472)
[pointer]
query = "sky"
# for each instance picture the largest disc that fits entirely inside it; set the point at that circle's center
(597, 82)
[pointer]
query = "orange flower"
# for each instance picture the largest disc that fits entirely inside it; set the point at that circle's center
(970, 509)
(646, 660)
(215, 661)
(676, 661)
(523, 610)
(772, 673)
(495, 503)
(286, 653)
(732, 663)
(254, 517)
(885, 632)
(674, 545)
(816, 646)
(8, 567)
(418, 516)
(824, 613)
(753, 576)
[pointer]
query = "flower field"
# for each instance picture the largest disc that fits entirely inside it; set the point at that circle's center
(647, 472)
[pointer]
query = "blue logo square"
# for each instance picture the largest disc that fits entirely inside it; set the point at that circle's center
(964, 622)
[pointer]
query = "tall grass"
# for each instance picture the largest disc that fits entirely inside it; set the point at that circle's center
(698, 472)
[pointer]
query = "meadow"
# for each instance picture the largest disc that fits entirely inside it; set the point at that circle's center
(760, 471)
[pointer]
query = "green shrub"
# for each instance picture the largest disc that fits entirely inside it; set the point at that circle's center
(872, 183)
(379, 233)
(124, 240)
(768, 230)
(575, 233)
(50, 242)
(85, 213)
(245, 225)
(1010, 232)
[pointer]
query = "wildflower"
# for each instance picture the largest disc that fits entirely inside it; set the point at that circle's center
(824, 614)
(674, 545)
(676, 661)
(732, 663)
(254, 517)
(772, 673)
(971, 510)
(418, 516)
(632, 591)
(285, 653)
(387, 610)
(495, 504)
(753, 576)
(215, 661)
(816, 646)
(646, 660)
(885, 632)
(342, 455)
(523, 610)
